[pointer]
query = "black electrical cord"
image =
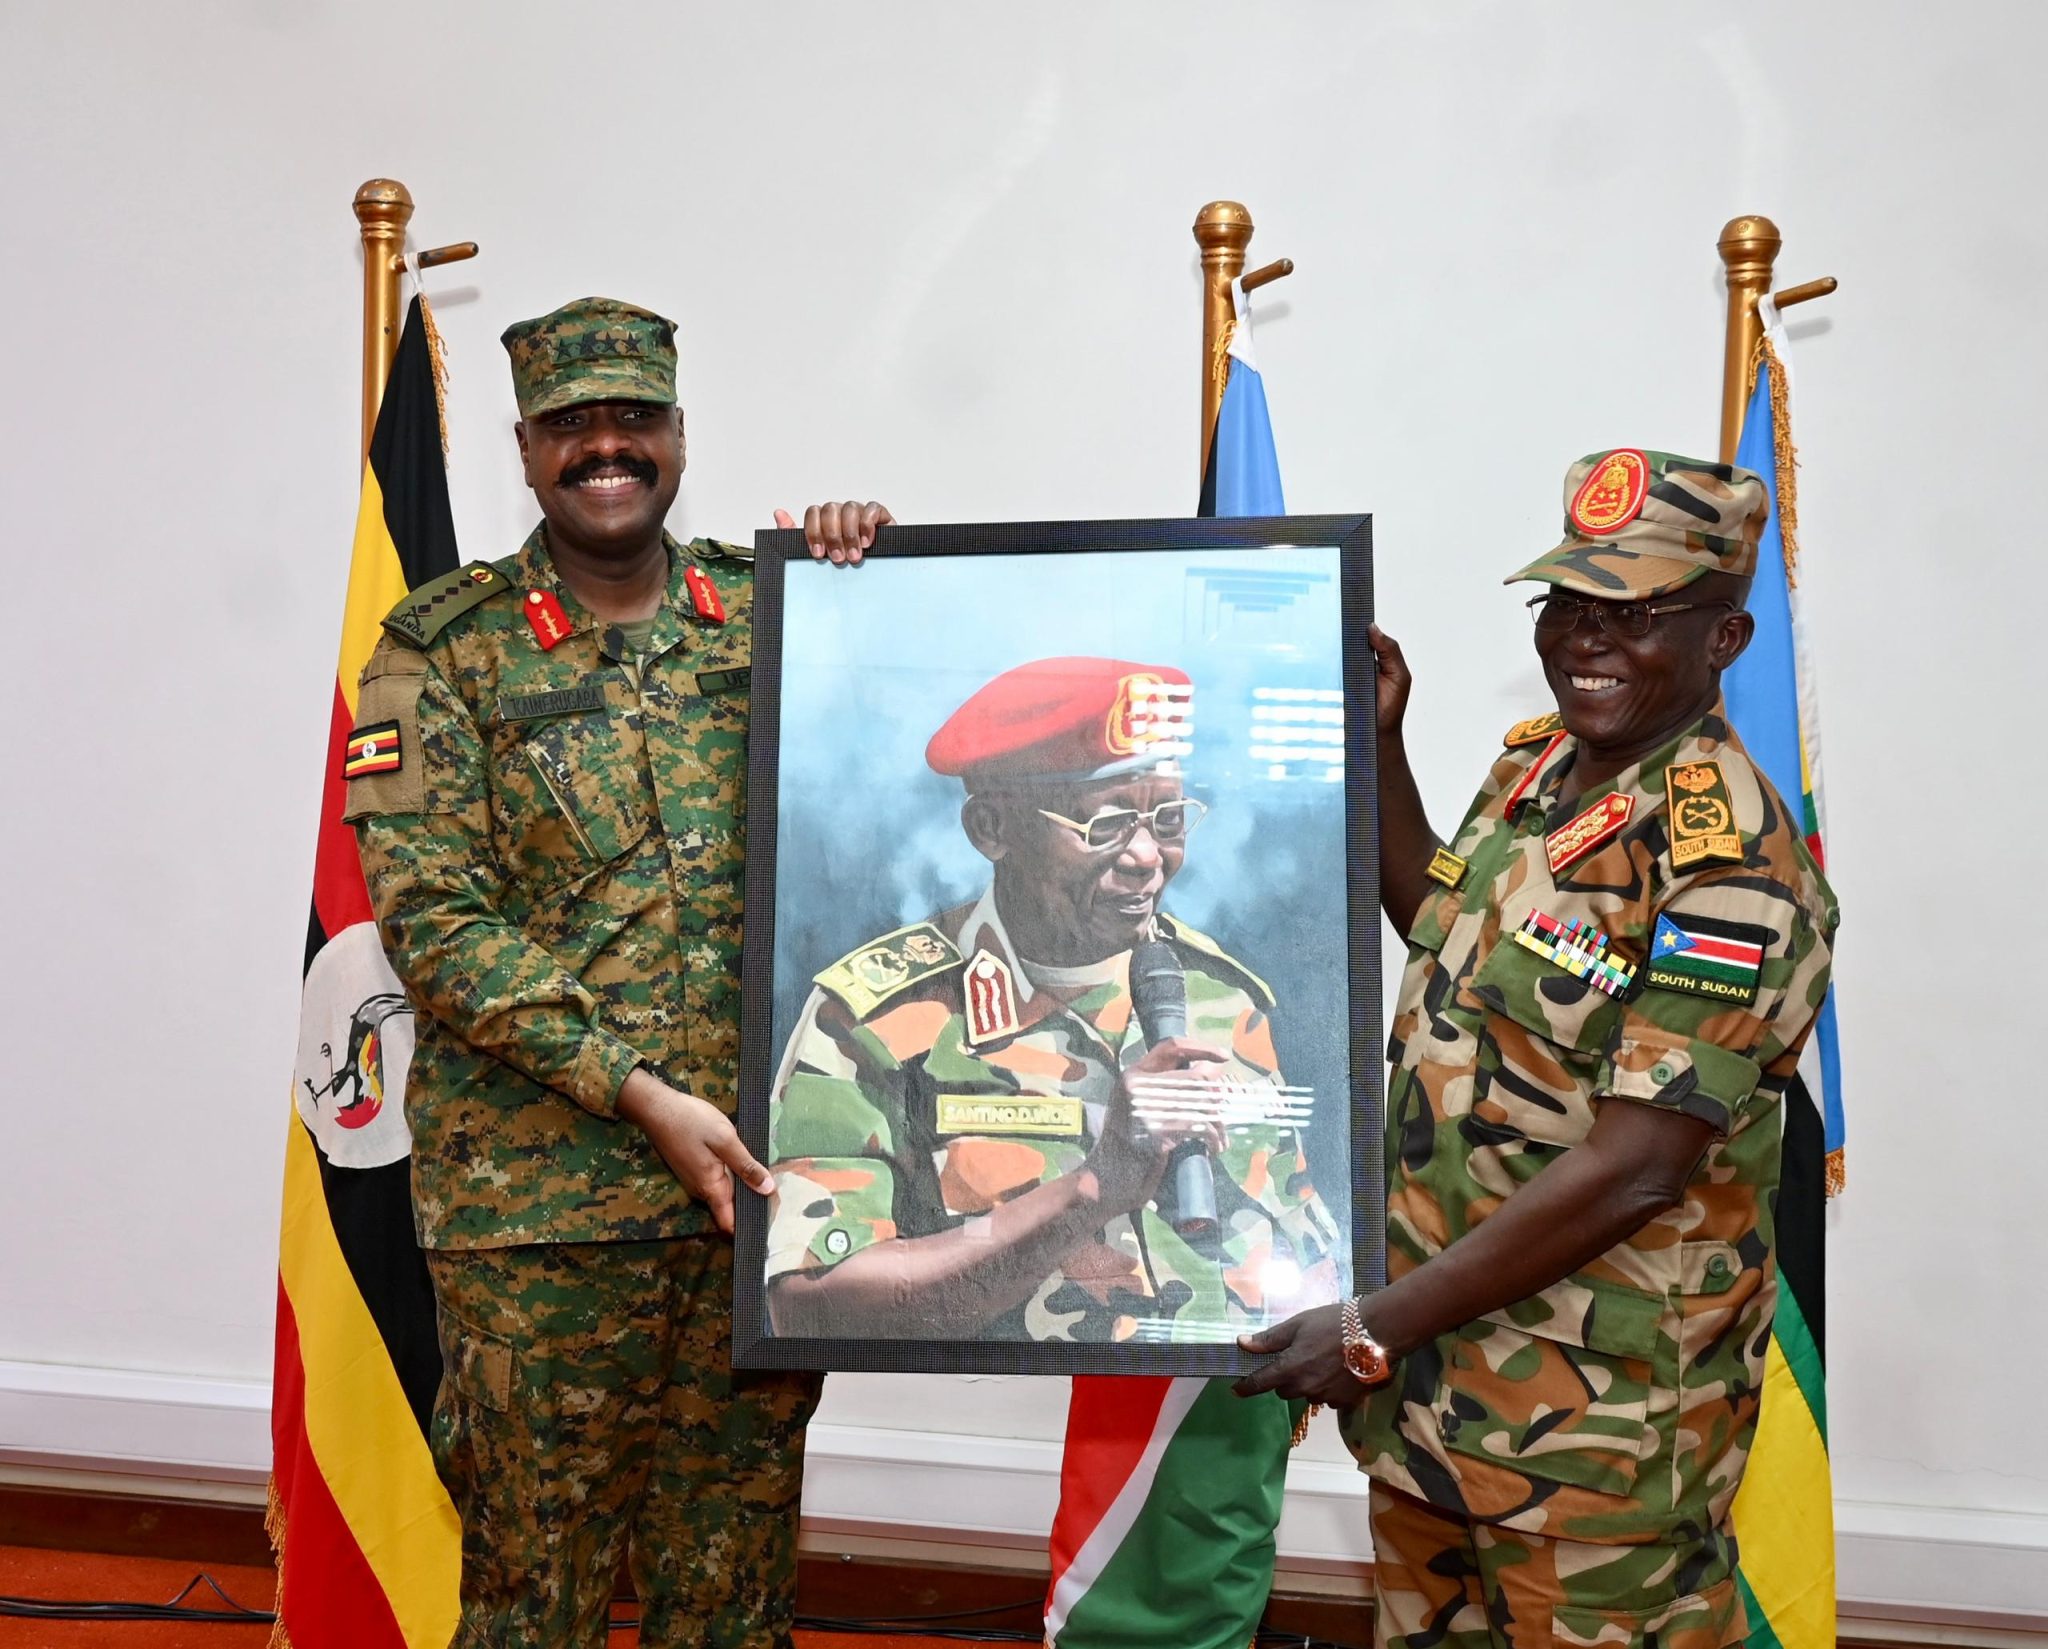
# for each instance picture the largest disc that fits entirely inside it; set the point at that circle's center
(29, 1608)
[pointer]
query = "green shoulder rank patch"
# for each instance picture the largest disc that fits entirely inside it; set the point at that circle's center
(562, 701)
(427, 611)
(716, 549)
(724, 681)
(1702, 815)
(866, 978)
(1534, 731)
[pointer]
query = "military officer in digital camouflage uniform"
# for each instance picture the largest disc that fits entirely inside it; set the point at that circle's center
(546, 780)
(1613, 966)
(970, 1133)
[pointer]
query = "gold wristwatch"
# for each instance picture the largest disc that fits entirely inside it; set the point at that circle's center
(1363, 1355)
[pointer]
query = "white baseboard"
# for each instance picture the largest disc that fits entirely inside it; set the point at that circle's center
(974, 1491)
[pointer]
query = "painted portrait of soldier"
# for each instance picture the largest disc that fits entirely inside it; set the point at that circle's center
(1054, 1111)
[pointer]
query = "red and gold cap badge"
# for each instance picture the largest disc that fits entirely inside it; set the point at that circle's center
(1612, 496)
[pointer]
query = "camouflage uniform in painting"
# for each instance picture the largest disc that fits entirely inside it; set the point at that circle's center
(890, 1121)
(551, 821)
(1561, 1469)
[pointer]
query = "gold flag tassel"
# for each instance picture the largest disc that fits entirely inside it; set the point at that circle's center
(1786, 454)
(1301, 1425)
(437, 351)
(273, 1526)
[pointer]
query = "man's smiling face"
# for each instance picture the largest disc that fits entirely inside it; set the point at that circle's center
(605, 473)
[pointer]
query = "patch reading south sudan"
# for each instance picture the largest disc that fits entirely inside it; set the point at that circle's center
(983, 1114)
(561, 701)
(724, 681)
(1706, 957)
(372, 750)
(1446, 867)
(1702, 815)
(1578, 947)
(1571, 842)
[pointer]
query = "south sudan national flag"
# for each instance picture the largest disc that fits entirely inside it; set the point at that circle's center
(368, 1545)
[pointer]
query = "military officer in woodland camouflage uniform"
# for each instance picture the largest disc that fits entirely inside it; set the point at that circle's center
(1613, 966)
(971, 1128)
(546, 780)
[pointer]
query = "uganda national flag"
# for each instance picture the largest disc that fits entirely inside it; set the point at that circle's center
(368, 1545)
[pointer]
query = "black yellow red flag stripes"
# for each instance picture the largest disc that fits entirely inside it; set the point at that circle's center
(368, 1545)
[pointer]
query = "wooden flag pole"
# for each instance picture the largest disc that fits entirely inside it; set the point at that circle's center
(1223, 230)
(1749, 247)
(383, 208)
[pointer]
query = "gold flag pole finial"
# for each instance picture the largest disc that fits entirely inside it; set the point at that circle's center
(384, 207)
(1223, 230)
(1749, 247)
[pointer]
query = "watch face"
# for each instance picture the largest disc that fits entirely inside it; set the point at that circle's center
(1366, 1360)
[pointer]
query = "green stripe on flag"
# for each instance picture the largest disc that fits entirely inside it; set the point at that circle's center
(1802, 1356)
(1196, 1566)
(1761, 1633)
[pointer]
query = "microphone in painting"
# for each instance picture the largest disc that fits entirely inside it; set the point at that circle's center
(1159, 995)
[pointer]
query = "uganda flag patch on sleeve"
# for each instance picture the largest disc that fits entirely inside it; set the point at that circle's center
(372, 750)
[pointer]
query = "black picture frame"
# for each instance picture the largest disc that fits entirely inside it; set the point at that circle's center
(1350, 536)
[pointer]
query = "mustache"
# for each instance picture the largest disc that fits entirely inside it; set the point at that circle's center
(584, 469)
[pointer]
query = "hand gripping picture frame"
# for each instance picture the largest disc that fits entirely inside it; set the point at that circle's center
(1061, 1015)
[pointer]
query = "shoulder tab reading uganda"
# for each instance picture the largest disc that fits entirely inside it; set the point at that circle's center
(866, 978)
(1171, 927)
(1534, 731)
(716, 549)
(427, 611)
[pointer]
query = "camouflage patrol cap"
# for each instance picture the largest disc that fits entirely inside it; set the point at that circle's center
(1065, 720)
(1641, 523)
(595, 349)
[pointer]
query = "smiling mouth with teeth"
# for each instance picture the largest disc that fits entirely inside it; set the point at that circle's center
(607, 483)
(1594, 684)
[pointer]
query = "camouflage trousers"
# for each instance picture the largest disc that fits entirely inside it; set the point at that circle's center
(588, 1411)
(1443, 1582)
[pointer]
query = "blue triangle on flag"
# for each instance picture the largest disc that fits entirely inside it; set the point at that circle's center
(1670, 938)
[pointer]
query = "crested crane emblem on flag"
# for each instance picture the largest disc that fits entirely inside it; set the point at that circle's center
(1612, 496)
(361, 1071)
(372, 750)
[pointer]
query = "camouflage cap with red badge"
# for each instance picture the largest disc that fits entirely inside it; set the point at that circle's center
(1066, 721)
(1640, 523)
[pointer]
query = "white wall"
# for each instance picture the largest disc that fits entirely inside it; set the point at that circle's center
(939, 255)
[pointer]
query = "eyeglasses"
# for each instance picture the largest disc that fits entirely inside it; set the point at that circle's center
(1559, 615)
(1113, 827)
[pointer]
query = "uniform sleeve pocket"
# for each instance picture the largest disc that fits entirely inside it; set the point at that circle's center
(381, 761)
(1700, 1620)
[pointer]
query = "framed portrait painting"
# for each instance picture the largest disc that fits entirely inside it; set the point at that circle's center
(1061, 988)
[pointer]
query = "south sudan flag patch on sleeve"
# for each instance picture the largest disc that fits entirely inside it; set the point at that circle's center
(372, 750)
(1706, 957)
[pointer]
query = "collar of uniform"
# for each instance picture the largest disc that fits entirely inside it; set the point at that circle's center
(984, 930)
(537, 571)
(1704, 738)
